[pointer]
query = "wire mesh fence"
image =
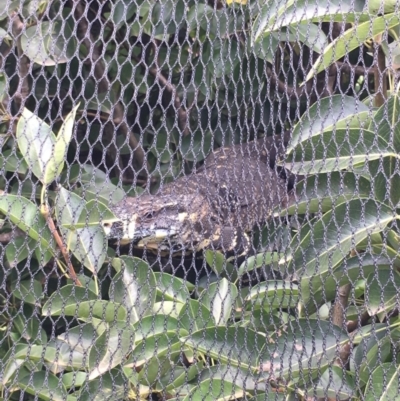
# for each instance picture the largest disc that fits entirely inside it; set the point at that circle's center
(199, 200)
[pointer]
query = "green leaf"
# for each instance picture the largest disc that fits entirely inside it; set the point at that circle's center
(196, 147)
(29, 291)
(195, 316)
(319, 193)
(67, 296)
(49, 43)
(112, 385)
(325, 242)
(260, 260)
(215, 389)
(338, 150)
(319, 289)
(216, 260)
(87, 244)
(171, 288)
(36, 143)
(44, 385)
(335, 383)
(54, 169)
(382, 291)
(236, 346)
(155, 324)
(12, 161)
(314, 348)
(370, 354)
(273, 294)
(276, 15)
(383, 383)
(332, 112)
(134, 286)
(384, 173)
(109, 350)
(351, 39)
(26, 216)
(157, 345)
(311, 35)
(220, 299)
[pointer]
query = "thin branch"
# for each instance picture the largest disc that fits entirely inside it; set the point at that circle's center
(61, 246)
(170, 88)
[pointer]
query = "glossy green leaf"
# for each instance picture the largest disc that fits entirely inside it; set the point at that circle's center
(155, 324)
(332, 112)
(55, 167)
(311, 35)
(215, 389)
(267, 260)
(171, 288)
(370, 354)
(134, 286)
(318, 289)
(49, 43)
(26, 216)
(195, 316)
(45, 386)
(36, 142)
(109, 350)
(157, 345)
(220, 299)
(311, 344)
(384, 173)
(276, 15)
(273, 294)
(325, 242)
(383, 383)
(87, 244)
(110, 386)
(66, 297)
(319, 193)
(236, 346)
(13, 162)
(335, 383)
(29, 291)
(382, 291)
(351, 39)
(338, 150)
(74, 379)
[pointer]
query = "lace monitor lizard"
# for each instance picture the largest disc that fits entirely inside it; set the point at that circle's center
(213, 208)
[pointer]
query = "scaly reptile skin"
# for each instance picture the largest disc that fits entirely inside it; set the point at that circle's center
(213, 208)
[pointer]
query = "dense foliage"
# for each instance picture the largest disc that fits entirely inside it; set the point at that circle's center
(155, 86)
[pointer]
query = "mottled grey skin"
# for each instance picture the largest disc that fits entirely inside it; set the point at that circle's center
(214, 208)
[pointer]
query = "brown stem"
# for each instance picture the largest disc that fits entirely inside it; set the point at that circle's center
(22, 91)
(380, 78)
(56, 235)
(170, 88)
(340, 306)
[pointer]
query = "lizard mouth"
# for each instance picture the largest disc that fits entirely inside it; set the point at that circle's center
(126, 232)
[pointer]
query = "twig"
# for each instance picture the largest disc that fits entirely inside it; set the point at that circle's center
(340, 306)
(380, 76)
(170, 88)
(53, 229)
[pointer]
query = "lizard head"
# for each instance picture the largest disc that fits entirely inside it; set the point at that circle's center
(153, 222)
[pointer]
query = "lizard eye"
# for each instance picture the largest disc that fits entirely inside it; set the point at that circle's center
(148, 215)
